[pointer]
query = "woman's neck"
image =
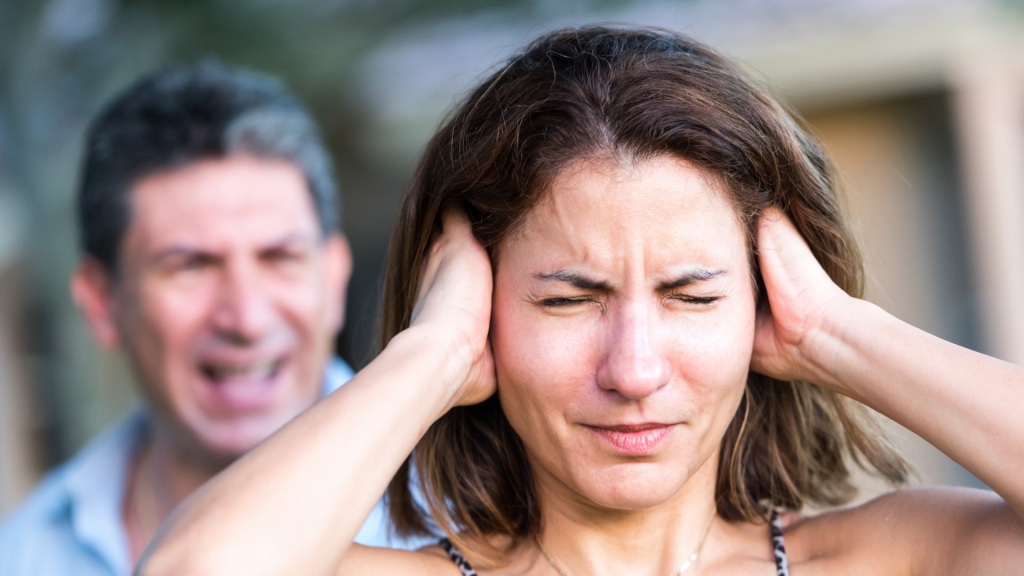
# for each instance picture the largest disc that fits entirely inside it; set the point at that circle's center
(584, 538)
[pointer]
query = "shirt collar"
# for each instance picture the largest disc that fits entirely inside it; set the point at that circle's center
(336, 374)
(96, 479)
(96, 482)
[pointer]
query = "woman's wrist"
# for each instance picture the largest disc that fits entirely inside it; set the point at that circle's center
(435, 356)
(835, 351)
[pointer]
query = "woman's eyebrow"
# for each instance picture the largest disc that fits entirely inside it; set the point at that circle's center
(580, 281)
(699, 274)
(574, 278)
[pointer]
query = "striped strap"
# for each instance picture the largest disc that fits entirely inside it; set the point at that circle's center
(779, 543)
(457, 557)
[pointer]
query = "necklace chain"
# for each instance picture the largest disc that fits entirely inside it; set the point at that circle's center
(551, 560)
(682, 569)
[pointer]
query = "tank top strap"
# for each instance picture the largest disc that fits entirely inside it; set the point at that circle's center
(779, 544)
(457, 557)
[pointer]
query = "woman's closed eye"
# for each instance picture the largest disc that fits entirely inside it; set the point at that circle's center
(568, 301)
(562, 302)
(692, 299)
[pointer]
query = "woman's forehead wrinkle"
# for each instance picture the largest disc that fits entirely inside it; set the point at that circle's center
(564, 224)
(650, 220)
(703, 221)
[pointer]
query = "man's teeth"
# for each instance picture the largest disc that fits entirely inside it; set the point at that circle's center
(260, 371)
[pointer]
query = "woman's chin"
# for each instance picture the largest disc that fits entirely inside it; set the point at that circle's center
(633, 486)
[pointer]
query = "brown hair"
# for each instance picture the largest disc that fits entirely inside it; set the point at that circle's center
(598, 92)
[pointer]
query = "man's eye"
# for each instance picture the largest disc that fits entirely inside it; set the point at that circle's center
(282, 256)
(195, 264)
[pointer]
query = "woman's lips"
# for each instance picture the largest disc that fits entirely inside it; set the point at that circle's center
(634, 440)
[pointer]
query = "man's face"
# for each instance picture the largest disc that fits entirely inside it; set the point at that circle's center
(227, 299)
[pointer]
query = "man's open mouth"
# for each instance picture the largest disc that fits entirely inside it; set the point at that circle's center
(222, 373)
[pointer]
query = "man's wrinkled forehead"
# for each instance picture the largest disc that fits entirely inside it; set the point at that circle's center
(232, 201)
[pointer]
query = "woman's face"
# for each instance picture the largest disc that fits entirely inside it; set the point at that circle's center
(622, 329)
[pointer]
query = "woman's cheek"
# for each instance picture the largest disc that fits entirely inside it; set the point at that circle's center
(543, 366)
(711, 352)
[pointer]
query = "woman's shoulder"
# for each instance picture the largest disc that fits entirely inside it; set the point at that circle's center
(896, 531)
(430, 560)
(440, 559)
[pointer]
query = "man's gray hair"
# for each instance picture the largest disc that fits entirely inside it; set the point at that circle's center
(177, 116)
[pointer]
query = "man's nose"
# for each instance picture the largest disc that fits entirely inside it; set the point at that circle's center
(244, 311)
(633, 365)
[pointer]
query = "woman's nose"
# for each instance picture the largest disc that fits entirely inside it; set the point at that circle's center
(633, 364)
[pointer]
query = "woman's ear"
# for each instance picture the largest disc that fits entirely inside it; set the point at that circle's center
(92, 290)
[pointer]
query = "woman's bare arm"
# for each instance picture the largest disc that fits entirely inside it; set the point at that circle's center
(294, 504)
(966, 404)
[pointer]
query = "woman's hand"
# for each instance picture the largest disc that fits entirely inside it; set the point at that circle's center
(794, 333)
(454, 304)
(962, 402)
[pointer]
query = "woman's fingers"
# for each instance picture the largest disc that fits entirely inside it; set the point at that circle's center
(455, 247)
(786, 259)
(801, 297)
(454, 303)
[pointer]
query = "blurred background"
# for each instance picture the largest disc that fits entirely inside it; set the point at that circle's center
(921, 102)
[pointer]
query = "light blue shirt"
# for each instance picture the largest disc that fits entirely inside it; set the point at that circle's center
(71, 523)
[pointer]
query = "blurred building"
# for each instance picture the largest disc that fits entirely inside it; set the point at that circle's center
(922, 106)
(921, 102)
(18, 463)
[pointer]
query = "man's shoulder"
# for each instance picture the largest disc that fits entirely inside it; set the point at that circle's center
(39, 536)
(38, 527)
(46, 501)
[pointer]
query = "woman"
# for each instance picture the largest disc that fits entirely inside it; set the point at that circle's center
(620, 330)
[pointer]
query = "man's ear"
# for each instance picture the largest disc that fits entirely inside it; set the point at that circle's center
(338, 256)
(92, 290)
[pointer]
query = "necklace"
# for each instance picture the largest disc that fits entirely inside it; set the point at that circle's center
(686, 565)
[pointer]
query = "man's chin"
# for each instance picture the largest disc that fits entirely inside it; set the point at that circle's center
(222, 444)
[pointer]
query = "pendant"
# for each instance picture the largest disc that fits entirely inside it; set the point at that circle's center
(686, 565)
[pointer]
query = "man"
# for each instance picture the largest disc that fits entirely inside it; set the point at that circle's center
(213, 256)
